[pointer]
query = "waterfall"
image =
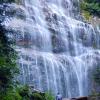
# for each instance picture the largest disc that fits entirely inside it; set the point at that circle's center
(56, 48)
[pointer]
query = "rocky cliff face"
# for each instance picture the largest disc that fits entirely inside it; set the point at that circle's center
(57, 49)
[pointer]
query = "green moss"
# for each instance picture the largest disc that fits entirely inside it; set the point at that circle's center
(87, 15)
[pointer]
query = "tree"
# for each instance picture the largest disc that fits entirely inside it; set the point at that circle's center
(8, 68)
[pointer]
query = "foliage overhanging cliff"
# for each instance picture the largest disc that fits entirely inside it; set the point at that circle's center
(90, 8)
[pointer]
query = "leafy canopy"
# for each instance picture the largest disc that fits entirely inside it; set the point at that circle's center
(92, 6)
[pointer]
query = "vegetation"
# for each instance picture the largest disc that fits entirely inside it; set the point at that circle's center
(9, 89)
(8, 68)
(9, 1)
(25, 93)
(90, 7)
(48, 96)
(97, 75)
(95, 95)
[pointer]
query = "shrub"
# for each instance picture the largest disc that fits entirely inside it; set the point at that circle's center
(11, 94)
(49, 96)
(37, 96)
(91, 6)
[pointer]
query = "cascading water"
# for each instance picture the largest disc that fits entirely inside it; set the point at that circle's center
(56, 48)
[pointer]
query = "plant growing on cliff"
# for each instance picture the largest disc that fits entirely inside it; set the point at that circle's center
(9, 1)
(97, 75)
(8, 68)
(95, 95)
(49, 96)
(9, 90)
(90, 7)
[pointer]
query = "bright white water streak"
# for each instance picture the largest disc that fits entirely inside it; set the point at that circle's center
(56, 50)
